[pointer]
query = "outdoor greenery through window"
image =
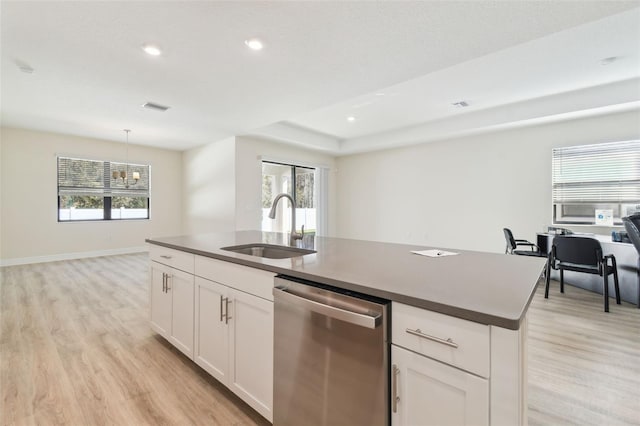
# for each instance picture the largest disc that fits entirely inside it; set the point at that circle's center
(87, 190)
(278, 178)
(601, 177)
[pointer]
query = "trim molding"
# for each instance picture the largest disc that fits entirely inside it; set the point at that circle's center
(70, 256)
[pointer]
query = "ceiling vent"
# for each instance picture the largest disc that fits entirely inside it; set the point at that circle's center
(155, 107)
(24, 67)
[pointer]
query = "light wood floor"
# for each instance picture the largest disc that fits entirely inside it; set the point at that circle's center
(584, 364)
(76, 349)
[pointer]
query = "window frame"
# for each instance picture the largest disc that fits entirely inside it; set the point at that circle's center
(597, 176)
(107, 196)
(320, 187)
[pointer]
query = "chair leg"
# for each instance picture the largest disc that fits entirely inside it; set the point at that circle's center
(616, 285)
(606, 288)
(638, 282)
(548, 277)
(561, 280)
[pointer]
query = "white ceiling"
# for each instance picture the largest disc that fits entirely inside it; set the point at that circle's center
(322, 61)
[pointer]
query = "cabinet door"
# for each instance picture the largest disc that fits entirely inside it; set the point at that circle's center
(212, 347)
(160, 309)
(180, 286)
(433, 393)
(251, 341)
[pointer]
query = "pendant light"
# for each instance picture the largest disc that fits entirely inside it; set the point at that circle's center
(124, 174)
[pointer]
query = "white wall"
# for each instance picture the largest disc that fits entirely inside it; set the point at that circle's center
(455, 193)
(249, 155)
(461, 193)
(29, 229)
(222, 182)
(209, 190)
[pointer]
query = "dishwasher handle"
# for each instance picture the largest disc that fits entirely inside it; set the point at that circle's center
(356, 318)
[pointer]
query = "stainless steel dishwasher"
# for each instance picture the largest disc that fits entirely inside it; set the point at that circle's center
(330, 356)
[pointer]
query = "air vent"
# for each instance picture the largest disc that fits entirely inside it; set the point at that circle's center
(24, 67)
(155, 107)
(460, 104)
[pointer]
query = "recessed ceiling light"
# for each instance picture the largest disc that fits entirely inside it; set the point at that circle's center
(609, 60)
(254, 44)
(351, 118)
(151, 49)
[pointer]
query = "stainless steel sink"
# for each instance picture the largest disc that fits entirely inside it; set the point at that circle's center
(269, 251)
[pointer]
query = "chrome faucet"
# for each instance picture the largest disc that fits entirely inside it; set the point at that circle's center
(272, 214)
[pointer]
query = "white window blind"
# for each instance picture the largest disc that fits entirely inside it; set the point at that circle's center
(600, 173)
(80, 177)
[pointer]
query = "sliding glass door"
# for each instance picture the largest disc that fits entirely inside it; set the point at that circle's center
(300, 182)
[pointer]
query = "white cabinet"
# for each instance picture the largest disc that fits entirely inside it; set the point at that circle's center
(429, 392)
(160, 304)
(221, 317)
(212, 334)
(171, 296)
(234, 329)
(450, 371)
(171, 310)
(251, 351)
(427, 332)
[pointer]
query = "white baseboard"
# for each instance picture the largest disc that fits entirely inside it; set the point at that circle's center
(69, 256)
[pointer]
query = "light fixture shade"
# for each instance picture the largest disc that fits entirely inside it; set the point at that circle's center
(123, 173)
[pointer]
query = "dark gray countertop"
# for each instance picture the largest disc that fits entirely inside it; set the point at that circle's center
(488, 288)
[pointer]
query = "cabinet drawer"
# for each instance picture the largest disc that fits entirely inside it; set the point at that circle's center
(428, 333)
(174, 258)
(243, 278)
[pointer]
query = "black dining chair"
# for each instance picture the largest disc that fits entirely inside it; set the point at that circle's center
(582, 254)
(632, 225)
(513, 244)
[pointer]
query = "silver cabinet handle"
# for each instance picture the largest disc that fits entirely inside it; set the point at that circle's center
(169, 277)
(225, 301)
(226, 311)
(164, 282)
(448, 342)
(164, 256)
(394, 388)
(356, 318)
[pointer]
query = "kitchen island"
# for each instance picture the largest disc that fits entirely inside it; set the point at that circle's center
(488, 288)
(477, 300)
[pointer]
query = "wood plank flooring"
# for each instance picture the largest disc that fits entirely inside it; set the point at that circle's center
(584, 363)
(76, 349)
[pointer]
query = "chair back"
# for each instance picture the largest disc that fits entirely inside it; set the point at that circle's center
(508, 235)
(578, 250)
(632, 225)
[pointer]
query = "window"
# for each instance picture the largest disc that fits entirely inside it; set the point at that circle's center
(278, 178)
(87, 191)
(595, 177)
